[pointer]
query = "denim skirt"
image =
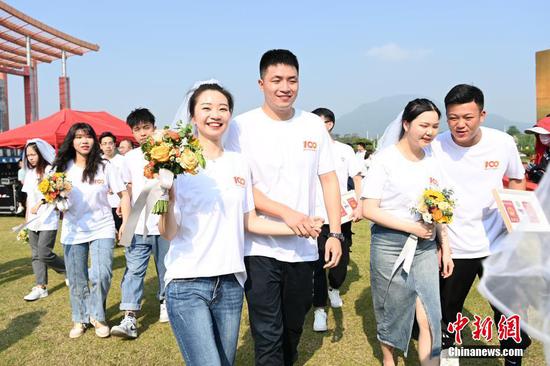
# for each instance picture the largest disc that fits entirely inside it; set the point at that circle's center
(394, 298)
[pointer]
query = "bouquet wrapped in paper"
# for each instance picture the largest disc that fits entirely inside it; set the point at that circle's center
(56, 187)
(169, 154)
(436, 206)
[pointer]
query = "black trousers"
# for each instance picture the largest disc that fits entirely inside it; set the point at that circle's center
(336, 275)
(116, 218)
(278, 296)
(454, 291)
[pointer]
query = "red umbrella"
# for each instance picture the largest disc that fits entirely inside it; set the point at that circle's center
(54, 128)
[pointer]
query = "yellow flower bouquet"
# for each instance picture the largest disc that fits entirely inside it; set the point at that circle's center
(55, 188)
(23, 235)
(177, 152)
(435, 206)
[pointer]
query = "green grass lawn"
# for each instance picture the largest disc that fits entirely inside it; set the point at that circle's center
(36, 333)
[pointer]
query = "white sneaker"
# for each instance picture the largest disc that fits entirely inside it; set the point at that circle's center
(334, 297)
(36, 293)
(20, 209)
(77, 330)
(101, 329)
(320, 320)
(67, 282)
(163, 317)
(445, 360)
(127, 328)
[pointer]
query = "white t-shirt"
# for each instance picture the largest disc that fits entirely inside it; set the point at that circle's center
(30, 187)
(89, 216)
(286, 158)
(346, 165)
(360, 156)
(118, 163)
(399, 183)
(474, 172)
(132, 172)
(209, 210)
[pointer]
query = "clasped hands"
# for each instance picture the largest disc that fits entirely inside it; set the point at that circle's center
(304, 226)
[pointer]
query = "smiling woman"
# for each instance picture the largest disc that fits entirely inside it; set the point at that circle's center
(205, 221)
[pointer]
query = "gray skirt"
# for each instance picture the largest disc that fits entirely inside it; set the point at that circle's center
(394, 298)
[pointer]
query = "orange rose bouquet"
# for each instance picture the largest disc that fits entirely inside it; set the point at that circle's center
(436, 206)
(171, 153)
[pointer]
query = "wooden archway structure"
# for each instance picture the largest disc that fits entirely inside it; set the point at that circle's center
(24, 43)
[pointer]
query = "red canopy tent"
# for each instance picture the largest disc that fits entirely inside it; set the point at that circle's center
(54, 128)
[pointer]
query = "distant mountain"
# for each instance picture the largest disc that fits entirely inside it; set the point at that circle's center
(373, 117)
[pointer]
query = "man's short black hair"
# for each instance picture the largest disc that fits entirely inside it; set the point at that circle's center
(107, 134)
(140, 115)
(464, 93)
(276, 57)
(325, 112)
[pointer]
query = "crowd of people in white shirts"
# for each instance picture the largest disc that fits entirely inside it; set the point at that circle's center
(262, 220)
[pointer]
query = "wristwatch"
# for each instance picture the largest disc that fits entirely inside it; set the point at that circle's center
(338, 236)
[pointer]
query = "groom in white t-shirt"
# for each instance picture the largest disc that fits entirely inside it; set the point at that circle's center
(473, 160)
(288, 151)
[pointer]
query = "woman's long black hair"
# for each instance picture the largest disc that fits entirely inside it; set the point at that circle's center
(41, 164)
(67, 152)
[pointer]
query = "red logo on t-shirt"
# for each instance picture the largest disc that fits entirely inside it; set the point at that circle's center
(99, 181)
(493, 164)
(434, 181)
(239, 181)
(310, 145)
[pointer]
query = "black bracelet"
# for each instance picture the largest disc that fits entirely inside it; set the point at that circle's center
(43, 200)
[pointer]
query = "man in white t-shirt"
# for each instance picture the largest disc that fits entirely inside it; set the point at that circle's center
(473, 160)
(288, 151)
(107, 143)
(363, 157)
(347, 166)
(147, 239)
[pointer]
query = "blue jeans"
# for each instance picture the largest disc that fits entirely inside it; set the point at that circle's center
(87, 301)
(137, 259)
(205, 315)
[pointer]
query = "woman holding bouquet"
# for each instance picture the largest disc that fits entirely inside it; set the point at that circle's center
(401, 170)
(88, 226)
(38, 156)
(206, 219)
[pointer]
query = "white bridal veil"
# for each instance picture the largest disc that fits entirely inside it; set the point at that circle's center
(517, 279)
(46, 150)
(391, 134)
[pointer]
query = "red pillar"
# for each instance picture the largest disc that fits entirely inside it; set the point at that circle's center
(30, 84)
(4, 112)
(64, 93)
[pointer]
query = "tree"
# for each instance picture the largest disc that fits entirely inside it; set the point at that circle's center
(513, 131)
